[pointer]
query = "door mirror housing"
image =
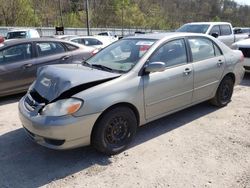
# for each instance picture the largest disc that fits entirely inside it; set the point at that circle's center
(155, 67)
(215, 35)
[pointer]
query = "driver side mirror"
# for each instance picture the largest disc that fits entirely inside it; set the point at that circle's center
(154, 67)
(215, 35)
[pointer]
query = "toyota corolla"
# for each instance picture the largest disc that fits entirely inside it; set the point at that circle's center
(131, 82)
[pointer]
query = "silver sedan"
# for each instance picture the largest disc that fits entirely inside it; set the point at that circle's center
(131, 82)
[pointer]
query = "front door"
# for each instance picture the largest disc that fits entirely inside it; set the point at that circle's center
(171, 89)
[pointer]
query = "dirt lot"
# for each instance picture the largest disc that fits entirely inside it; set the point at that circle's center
(202, 146)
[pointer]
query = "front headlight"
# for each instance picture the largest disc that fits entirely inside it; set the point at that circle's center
(62, 107)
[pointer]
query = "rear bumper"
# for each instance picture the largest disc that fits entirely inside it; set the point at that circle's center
(64, 132)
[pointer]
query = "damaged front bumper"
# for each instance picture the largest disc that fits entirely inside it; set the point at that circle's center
(63, 132)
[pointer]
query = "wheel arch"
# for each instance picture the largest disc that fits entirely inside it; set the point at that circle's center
(231, 75)
(122, 104)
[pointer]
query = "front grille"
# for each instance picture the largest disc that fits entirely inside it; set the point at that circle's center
(34, 101)
(245, 51)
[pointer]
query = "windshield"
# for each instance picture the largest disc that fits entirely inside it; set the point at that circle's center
(193, 28)
(121, 56)
(18, 34)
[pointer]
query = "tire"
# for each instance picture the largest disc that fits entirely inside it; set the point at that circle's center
(224, 92)
(114, 130)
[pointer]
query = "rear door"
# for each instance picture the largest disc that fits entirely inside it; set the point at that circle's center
(208, 65)
(16, 67)
(171, 89)
(49, 52)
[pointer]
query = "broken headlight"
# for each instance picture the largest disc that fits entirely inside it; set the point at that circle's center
(62, 107)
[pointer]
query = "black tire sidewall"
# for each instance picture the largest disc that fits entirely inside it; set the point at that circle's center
(98, 139)
(229, 81)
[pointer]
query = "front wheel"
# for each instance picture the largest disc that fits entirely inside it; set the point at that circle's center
(224, 92)
(114, 130)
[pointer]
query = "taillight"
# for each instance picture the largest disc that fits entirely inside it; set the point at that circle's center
(1, 39)
(94, 52)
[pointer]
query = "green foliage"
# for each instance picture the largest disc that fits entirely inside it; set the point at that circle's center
(25, 14)
(72, 20)
(152, 14)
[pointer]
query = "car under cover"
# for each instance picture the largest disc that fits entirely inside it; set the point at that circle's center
(62, 81)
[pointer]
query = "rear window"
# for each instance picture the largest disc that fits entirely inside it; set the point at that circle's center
(194, 28)
(17, 34)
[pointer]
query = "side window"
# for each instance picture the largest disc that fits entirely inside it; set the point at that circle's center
(16, 53)
(225, 30)
(215, 29)
(172, 53)
(217, 51)
(75, 40)
(49, 48)
(91, 42)
(201, 48)
(70, 47)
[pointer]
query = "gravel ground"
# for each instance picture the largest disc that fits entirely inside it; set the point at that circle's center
(202, 146)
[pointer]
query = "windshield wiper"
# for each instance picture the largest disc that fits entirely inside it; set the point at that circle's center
(85, 63)
(102, 67)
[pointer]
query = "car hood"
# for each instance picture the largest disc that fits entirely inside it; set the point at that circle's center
(57, 81)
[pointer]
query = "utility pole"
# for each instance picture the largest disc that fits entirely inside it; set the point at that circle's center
(60, 7)
(87, 15)
(122, 17)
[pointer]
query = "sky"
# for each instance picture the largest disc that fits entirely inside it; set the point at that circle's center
(244, 2)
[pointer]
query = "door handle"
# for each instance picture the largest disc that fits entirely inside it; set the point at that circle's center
(26, 66)
(220, 63)
(65, 57)
(187, 71)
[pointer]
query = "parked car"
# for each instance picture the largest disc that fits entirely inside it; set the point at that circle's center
(241, 30)
(221, 30)
(129, 83)
(22, 33)
(109, 34)
(94, 41)
(64, 37)
(19, 60)
(244, 46)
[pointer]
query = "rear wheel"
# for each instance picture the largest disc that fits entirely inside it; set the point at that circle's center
(224, 92)
(114, 130)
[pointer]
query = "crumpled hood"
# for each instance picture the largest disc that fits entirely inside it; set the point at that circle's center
(54, 80)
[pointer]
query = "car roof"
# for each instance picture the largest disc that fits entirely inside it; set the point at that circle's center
(213, 23)
(91, 37)
(19, 30)
(11, 42)
(159, 36)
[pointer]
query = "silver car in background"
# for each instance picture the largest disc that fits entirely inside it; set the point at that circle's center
(129, 83)
(244, 46)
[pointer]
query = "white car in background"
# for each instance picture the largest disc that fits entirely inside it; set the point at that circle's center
(244, 46)
(22, 33)
(98, 42)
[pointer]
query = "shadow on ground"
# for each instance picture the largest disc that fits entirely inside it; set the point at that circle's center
(25, 164)
(246, 80)
(10, 99)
